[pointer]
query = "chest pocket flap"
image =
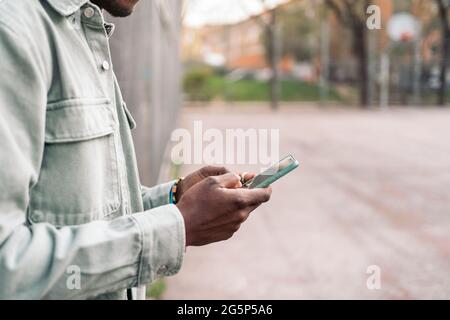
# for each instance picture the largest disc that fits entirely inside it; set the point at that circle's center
(78, 120)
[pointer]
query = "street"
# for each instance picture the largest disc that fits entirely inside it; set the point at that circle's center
(373, 189)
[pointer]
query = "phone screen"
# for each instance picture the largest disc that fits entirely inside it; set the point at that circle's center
(273, 173)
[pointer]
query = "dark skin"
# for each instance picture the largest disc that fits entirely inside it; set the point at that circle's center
(211, 200)
(117, 8)
(215, 207)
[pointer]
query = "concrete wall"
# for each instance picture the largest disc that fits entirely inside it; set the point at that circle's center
(145, 49)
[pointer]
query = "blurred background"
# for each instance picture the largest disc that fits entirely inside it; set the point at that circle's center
(359, 91)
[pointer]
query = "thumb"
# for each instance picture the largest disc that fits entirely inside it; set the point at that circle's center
(229, 181)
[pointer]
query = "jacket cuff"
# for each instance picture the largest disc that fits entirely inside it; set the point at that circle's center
(156, 196)
(163, 242)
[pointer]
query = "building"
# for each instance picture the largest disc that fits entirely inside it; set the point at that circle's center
(235, 46)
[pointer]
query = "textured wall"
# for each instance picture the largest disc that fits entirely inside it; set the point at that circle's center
(145, 50)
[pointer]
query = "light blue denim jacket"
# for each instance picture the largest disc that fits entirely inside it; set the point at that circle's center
(75, 222)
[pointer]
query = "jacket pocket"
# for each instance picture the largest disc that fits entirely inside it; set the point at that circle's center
(78, 181)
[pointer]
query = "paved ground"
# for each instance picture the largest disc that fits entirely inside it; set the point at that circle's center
(373, 189)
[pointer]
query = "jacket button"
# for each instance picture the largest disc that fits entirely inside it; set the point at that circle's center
(89, 12)
(105, 65)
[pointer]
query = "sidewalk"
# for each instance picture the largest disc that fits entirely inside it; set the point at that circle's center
(373, 189)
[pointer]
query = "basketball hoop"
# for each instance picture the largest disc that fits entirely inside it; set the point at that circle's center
(403, 27)
(406, 37)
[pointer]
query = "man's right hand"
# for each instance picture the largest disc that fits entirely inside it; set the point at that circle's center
(215, 208)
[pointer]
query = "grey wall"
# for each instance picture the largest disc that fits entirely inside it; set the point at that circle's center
(145, 49)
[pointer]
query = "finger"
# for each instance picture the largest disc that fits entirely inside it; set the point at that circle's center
(229, 180)
(213, 171)
(250, 175)
(252, 197)
(245, 214)
(253, 208)
(247, 176)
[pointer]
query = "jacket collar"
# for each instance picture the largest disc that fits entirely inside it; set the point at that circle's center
(66, 7)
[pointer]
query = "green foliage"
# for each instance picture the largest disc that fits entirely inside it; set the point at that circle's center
(303, 91)
(156, 289)
(253, 90)
(195, 84)
(300, 31)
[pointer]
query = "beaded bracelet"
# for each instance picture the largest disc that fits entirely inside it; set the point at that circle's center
(173, 191)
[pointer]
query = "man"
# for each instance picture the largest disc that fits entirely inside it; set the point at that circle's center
(70, 199)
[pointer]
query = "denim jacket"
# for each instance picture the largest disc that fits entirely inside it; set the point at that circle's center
(75, 222)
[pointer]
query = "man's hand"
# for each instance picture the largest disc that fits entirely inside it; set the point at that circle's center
(215, 208)
(197, 176)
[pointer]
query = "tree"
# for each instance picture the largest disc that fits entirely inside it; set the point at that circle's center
(444, 8)
(300, 29)
(273, 56)
(268, 22)
(352, 14)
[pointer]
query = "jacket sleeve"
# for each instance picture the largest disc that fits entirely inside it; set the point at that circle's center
(42, 261)
(156, 196)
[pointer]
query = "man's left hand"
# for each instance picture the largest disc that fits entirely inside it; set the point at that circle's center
(197, 176)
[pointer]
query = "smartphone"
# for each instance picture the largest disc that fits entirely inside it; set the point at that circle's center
(275, 172)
